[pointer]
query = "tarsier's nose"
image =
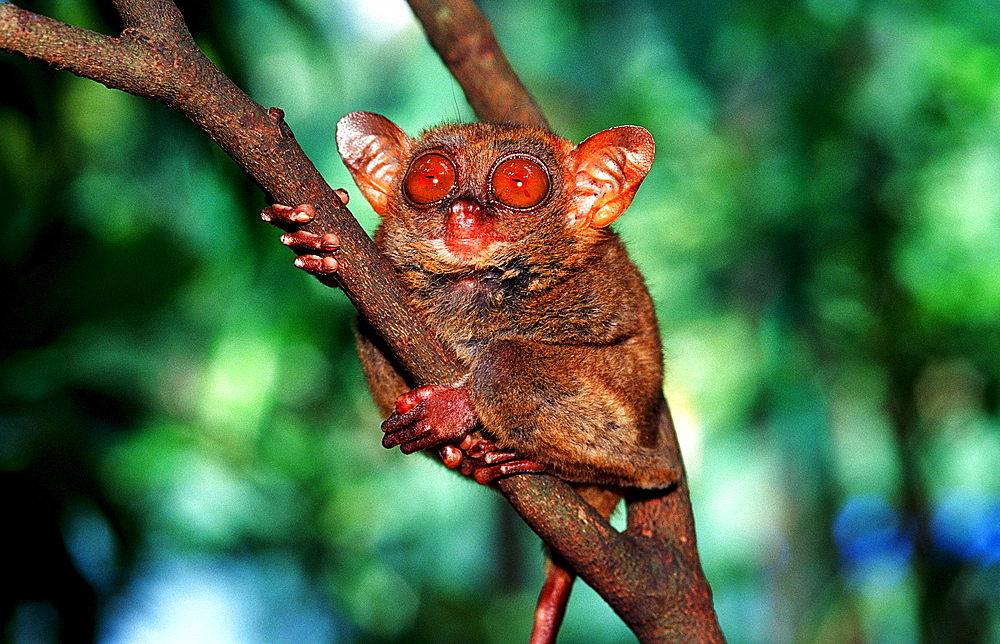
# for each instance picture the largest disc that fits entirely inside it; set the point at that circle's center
(465, 215)
(469, 229)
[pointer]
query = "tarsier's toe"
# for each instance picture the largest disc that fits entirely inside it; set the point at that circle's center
(480, 459)
(451, 456)
(486, 475)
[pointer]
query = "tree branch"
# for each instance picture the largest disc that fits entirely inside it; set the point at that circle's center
(463, 38)
(157, 59)
(650, 574)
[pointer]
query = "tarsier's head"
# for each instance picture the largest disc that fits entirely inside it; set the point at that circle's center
(467, 192)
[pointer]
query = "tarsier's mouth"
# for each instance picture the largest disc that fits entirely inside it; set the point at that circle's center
(510, 277)
(491, 275)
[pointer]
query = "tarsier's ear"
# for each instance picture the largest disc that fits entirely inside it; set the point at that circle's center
(606, 170)
(373, 149)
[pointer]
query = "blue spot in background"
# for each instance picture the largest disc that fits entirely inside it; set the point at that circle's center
(966, 525)
(873, 539)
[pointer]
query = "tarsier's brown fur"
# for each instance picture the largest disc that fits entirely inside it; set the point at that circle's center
(553, 322)
(556, 327)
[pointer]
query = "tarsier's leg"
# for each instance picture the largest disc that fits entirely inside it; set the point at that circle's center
(589, 412)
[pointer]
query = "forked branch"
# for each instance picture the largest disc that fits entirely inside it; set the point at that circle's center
(650, 574)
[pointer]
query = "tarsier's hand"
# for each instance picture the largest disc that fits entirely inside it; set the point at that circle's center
(429, 416)
(290, 219)
(441, 416)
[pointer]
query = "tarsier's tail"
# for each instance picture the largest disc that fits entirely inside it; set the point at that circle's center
(552, 602)
(558, 585)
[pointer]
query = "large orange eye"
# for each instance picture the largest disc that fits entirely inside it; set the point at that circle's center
(430, 179)
(520, 183)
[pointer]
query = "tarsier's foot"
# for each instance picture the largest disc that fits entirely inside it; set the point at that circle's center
(289, 217)
(429, 416)
(480, 459)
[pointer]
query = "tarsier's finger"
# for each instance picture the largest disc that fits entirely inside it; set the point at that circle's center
(398, 420)
(414, 397)
(406, 435)
(303, 239)
(317, 264)
(282, 214)
(430, 440)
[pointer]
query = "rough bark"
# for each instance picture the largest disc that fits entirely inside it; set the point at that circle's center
(649, 574)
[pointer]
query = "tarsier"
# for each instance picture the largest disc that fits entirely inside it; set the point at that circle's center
(499, 234)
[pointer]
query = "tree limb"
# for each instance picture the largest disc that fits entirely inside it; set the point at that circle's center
(463, 38)
(659, 546)
(158, 59)
(650, 574)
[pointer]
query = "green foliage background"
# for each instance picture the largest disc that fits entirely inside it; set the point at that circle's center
(187, 450)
